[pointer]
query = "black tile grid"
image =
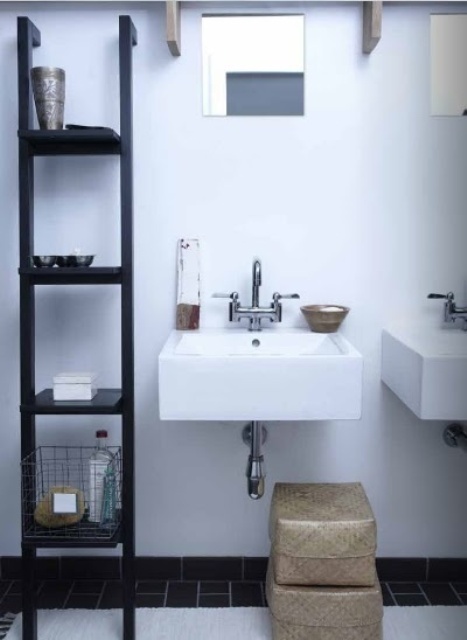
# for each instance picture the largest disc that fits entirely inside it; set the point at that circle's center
(411, 600)
(246, 594)
(151, 568)
(460, 588)
(447, 570)
(235, 568)
(215, 600)
(402, 569)
(53, 594)
(439, 593)
(388, 598)
(95, 594)
(47, 568)
(151, 587)
(182, 594)
(82, 568)
(255, 569)
(112, 596)
(212, 568)
(404, 588)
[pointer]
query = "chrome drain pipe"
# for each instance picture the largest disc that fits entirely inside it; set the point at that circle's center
(455, 436)
(254, 435)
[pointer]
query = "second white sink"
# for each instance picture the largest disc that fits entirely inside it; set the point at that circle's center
(427, 370)
(234, 374)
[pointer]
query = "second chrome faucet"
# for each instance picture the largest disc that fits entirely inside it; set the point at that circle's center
(451, 311)
(255, 314)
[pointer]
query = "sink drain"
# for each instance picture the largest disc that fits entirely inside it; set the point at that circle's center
(255, 342)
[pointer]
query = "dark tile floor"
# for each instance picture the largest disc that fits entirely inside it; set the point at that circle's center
(96, 594)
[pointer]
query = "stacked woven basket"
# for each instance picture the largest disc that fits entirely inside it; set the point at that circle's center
(322, 582)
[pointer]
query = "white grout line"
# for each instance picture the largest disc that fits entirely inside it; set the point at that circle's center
(101, 595)
(7, 592)
(67, 597)
(455, 591)
(166, 593)
(423, 593)
(405, 593)
(391, 593)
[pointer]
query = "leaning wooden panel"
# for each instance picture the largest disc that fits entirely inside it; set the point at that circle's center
(173, 27)
(372, 25)
(188, 294)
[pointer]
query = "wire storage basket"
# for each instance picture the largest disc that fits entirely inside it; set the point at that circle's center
(71, 493)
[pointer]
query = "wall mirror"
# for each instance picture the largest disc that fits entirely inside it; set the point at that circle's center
(253, 65)
(449, 65)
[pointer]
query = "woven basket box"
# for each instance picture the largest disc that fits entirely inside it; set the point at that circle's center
(322, 534)
(324, 613)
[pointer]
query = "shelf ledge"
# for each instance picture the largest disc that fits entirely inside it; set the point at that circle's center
(107, 401)
(64, 542)
(72, 275)
(71, 142)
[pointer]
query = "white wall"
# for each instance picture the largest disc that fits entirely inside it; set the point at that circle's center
(361, 202)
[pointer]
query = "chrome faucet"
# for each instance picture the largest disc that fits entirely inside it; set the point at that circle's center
(256, 282)
(255, 313)
(451, 311)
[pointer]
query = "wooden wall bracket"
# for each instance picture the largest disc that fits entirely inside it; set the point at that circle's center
(173, 27)
(372, 22)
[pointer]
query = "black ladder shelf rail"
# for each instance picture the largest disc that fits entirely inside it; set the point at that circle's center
(92, 142)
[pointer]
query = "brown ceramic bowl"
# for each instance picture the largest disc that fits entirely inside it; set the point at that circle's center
(324, 318)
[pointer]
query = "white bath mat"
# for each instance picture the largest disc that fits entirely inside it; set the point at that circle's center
(400, 623)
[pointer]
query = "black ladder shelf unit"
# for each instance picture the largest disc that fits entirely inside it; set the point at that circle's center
(108, 401)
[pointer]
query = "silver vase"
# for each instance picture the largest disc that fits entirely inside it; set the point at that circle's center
(48, 86)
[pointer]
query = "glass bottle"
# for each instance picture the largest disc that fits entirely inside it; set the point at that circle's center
(109, 500)
(98, 464)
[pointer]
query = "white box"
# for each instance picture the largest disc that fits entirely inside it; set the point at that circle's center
(74, 386)
(75, 378)
(74, 392)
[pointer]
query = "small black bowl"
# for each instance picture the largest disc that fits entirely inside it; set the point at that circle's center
(74, 261)
(66, 261)
(44, 261)
(83, 261)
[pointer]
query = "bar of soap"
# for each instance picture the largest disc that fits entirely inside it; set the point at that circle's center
(45, 516)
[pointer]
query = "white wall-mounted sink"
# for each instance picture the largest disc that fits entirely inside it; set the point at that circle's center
(427, 370)
(234, 374)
